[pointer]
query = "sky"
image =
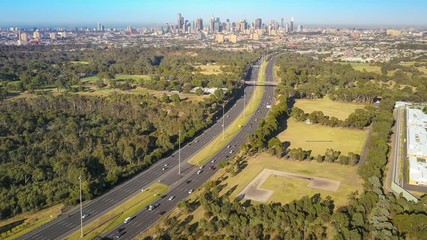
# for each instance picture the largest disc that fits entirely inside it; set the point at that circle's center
(157, 12)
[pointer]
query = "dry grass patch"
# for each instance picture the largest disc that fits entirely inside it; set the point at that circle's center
(29, 221)
(210, 69)
(318, 138)
(289, 189)
(340, 110)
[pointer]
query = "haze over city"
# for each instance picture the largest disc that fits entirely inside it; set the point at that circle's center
(148, 13)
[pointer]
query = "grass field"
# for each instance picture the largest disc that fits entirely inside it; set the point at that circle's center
(140, 90)
(117, 77)
(210, 69)
(288, 189)
(116, 216)
(366, 66)
(31, 221)
(330, 108)
(215, 145)
(79, 62)
(319, 138)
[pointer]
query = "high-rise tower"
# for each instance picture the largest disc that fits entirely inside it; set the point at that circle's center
(291, 28)
(258, 23)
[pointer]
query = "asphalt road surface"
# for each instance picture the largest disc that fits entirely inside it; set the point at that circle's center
(191, 181)
(179, 184)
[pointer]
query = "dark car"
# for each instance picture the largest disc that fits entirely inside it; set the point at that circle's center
(162, 213)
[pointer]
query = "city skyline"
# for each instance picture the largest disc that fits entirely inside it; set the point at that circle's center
(139, 13)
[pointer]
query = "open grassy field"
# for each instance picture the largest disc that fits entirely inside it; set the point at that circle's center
(30, 221)
(366, 66)
(330, 108)
(140, 90)
(79, 62)
(288, 189)
(319, 138)
(117, 77)
(210, 69)
(219, 142)
(117, 215)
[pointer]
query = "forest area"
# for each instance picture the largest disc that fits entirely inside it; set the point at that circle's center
(47, 141)
(371, 214)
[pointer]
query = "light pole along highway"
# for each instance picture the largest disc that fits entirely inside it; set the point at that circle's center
(69, 222)
(194, 179)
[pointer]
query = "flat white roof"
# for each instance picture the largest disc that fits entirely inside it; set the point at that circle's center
(416, 122)
(418, 170)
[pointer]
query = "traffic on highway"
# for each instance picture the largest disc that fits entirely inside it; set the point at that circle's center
(166, 171)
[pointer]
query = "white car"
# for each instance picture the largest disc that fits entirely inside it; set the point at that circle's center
(166, 164)
(127, 220)
(231, 151)
(199, 171)
(171, 198)
(84, 216)
(191, 190)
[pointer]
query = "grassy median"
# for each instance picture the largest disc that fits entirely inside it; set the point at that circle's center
(219, 142)
(117, 215)
(30, 221)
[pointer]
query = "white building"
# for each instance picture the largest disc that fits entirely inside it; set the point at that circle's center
(416, 140)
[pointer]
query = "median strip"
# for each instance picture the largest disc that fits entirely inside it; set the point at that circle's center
(218, 143)
(111, 219)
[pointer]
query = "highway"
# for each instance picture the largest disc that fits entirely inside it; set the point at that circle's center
(70, 221)
(180, 190)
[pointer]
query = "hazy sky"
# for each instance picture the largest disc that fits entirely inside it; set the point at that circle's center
(141, 12)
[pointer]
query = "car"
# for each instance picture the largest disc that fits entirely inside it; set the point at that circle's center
(84, 216)
(188, 181)
(163, 196)
(166, 164)
(127, 220)
(213, 160)
(120, 230)
(164, 168)
(199, 171)
(162, 213)
(171, 198)
(151, 207)
(142, 189)
(229, 146)
(213, 168)
(191, 190)
(196, 141)
(201, 167)
(231, 151)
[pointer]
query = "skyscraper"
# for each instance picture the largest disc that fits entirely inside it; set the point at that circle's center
(292, 25)
(258, 23)
(180, 21)
(282, 23)
(211, 26)
(199, 24)
(98, 27)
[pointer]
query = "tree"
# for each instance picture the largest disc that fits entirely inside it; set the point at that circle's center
(175, 98)
(199, 91)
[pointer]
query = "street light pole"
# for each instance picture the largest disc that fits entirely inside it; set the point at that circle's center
(223, 122)
(244, 103)
(179, 151)
(81, 208)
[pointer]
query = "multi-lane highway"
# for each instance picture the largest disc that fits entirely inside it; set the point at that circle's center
(179, 184)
